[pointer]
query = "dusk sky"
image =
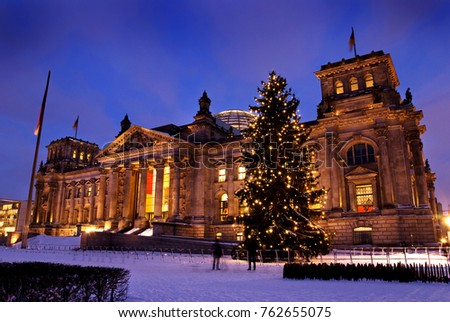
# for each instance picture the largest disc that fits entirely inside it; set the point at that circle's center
(153, 59)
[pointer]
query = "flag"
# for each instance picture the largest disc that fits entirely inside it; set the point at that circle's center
(75, 124)
(351, 41)
(38, 125)
(41, 113)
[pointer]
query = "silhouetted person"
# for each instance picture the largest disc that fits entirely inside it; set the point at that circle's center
(217, 253)
(251, 246)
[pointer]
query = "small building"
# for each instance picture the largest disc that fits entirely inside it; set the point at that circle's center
(12, 216)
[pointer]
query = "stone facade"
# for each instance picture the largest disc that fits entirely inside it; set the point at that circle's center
(182, 180)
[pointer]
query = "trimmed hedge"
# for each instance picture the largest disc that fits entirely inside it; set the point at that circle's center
(356, 272)
(48, 282)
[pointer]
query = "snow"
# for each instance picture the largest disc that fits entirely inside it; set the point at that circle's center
(167, 277)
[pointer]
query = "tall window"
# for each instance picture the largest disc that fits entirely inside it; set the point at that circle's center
(364, 198)
(368, 80)
(81, 156)
(241, 173)
(339, 87)
(353, 84)
(150, 193)
(166, 186)
(360, 153)
(74, 154)
(223, 207)
(89, 191)
(222, 175)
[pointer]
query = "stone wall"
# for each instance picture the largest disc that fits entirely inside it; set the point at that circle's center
(117, 241)
(400, 228)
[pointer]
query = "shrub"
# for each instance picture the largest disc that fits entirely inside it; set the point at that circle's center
(47, 282)
(356, 272)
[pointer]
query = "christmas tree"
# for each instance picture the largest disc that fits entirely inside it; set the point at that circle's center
(280, 185)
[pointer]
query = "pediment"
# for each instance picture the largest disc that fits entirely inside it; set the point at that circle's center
(361, 171)
(135, 138)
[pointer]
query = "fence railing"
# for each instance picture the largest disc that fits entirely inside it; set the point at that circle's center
(374, 255)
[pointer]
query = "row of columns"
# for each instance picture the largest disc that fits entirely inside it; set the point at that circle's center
(121, 195)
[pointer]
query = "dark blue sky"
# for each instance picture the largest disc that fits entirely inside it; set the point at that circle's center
(153, 59)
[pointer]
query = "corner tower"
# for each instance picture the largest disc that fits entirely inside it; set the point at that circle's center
(373, 162)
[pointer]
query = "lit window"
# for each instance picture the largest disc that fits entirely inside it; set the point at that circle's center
(81, 155)
(222, 175)
(369, 80)
(241, 173)
(88, 157)
(353, 84)
(89, 191)
(150, 193)
(364, 198)
(339, 87)
(362, 235)
(223, 207)
(360, 153)
(166, 184)
(243, 208)
(74, 154)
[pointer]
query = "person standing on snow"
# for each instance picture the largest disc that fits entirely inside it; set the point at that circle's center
(251, 246)
(217, 254)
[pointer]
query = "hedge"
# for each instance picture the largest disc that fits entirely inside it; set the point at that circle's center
(48, 282)
(356, 272)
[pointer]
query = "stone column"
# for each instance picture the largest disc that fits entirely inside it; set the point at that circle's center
(142, 221)
(92, 202)
(374, 193)
(81, 217)
(352, 196)
(59, 207)
(387, 189)
(38, 215)
(413, 138)
(72, 220)
(101, 196)
(113, 194)
(175, 188)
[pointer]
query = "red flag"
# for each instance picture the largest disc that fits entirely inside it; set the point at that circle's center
(75, 124)
(38, 125)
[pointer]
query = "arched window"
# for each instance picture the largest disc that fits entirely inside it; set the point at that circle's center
(339, 87)
(223, 207)
(368, 80)
(360, 153)
(353, 84)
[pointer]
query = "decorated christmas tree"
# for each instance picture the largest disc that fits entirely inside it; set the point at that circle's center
(280, 185)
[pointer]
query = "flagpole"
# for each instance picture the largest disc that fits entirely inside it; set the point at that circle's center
(26, 225)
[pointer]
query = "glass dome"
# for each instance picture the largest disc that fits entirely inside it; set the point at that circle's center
(238, 119)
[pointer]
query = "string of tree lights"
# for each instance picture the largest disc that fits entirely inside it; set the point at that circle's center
(281, 186)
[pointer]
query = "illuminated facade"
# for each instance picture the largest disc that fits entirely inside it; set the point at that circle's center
(182, 180)
(12, 216)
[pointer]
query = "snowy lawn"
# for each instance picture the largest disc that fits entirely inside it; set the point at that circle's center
(166, 277)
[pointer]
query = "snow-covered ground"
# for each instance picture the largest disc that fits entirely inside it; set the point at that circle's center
(167, 277)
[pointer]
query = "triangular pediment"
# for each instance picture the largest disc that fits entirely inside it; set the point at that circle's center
(136, 138)
(361, 171)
